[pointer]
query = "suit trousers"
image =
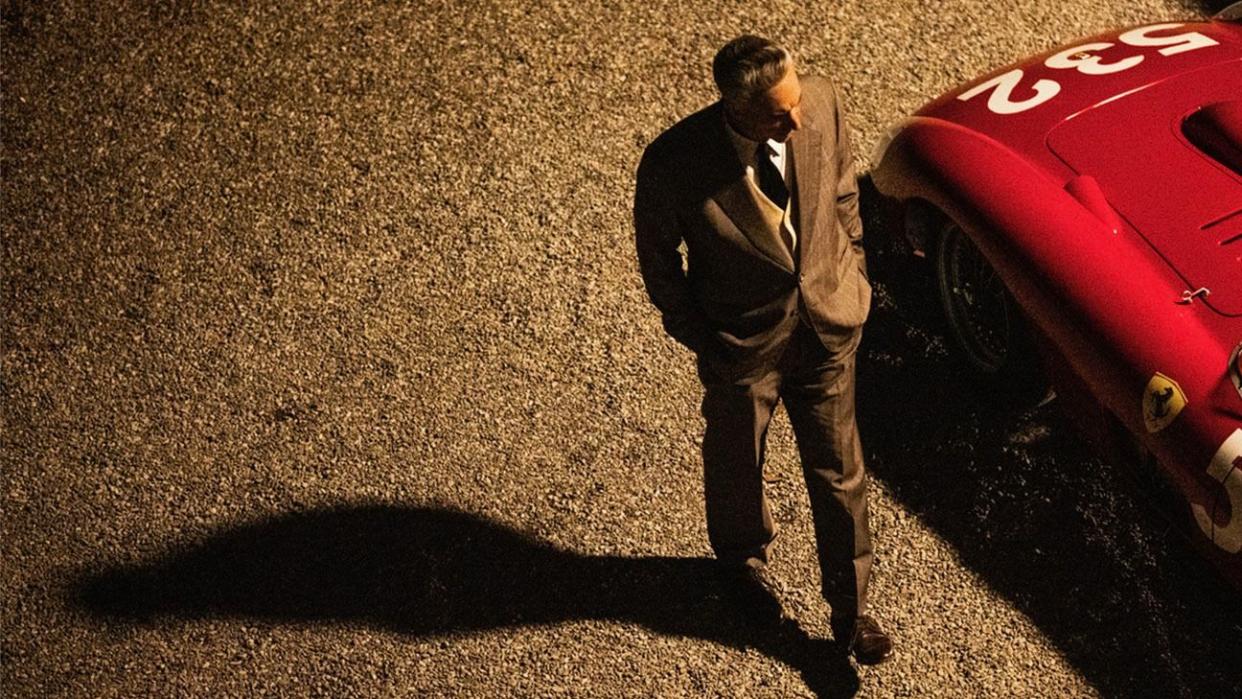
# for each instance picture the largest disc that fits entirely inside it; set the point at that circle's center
(818, 391)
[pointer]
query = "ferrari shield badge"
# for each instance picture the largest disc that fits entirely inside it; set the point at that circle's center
(1163, 400)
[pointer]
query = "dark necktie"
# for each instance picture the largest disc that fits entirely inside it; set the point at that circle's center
(770, 181)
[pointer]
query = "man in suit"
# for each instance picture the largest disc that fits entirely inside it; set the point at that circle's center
(771, 296)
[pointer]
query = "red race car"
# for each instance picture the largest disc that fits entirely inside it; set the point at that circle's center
(1086, 204)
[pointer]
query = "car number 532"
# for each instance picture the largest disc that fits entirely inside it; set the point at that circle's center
(1085, 59)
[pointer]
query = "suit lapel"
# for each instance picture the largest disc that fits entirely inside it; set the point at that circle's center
(806, 150)
(738, 199)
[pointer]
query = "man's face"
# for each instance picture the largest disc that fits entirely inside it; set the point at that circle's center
(770, 115)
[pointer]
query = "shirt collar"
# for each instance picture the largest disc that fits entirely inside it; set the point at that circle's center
(745, 147)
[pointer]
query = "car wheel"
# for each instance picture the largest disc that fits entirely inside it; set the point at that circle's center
(983, 318)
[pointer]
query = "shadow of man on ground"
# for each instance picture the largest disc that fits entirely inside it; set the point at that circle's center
(427, 572)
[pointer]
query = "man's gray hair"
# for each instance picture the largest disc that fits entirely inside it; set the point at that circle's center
(749, 65)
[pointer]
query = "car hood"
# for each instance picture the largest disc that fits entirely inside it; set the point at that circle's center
(1171, 172)
(1123, 127)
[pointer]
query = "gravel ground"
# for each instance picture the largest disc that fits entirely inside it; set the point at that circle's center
(327, 371)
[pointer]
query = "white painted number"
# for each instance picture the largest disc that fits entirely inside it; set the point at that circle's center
(1000, 101)
(1085, 60)
(1081, 59)
(1226, 468)
(1178, 43)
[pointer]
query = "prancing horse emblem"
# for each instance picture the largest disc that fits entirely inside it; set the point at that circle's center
(1163, 401)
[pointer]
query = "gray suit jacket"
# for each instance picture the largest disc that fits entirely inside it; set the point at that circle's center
(737, 300)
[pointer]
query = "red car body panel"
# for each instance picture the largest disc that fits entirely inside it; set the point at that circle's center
(1078, 177)
(1186, 211)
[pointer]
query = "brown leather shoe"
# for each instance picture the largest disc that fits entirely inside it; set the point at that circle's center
(868, 642)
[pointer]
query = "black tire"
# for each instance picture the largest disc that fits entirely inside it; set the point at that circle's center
(984, 322)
